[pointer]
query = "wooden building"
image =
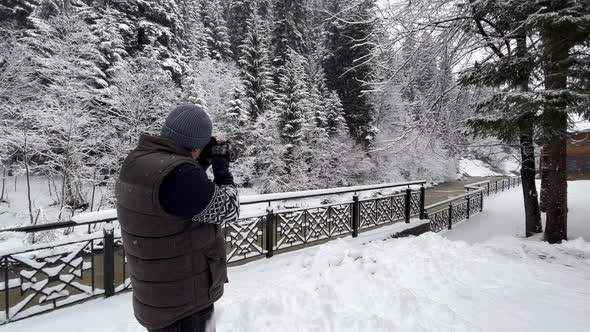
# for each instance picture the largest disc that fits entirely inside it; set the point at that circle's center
(578, 156)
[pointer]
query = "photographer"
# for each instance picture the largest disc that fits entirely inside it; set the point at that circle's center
(170, 214)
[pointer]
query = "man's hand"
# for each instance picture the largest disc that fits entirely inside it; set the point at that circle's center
(221, 156)
(222, 149)
(205, 157)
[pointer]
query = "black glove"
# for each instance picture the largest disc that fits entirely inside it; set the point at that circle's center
(205, 157)
(217, 150)
(222, 150)
(205, 163)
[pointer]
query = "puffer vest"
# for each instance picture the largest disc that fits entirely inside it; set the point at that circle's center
(177, 266)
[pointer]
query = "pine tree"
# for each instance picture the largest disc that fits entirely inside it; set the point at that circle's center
(194, 34)
(315, 89)
(335, 122)
(347, 65)
(563, 26)
(238, 14)
(513, 112)
(236, 121)
(288, 32)
(512, 69)
(255, 68)
(320, 102)
(290, 103)
(216, 30)
(236, 109)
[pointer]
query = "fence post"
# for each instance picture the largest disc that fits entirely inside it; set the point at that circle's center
(109, 260)
(408, 204)
(355, 215)
(450, 215)
(496, 191)
(422, 202)
(270, 216)
(468, 206)
(481, 202)
(6, 289)
(503, 181)
(488, 188)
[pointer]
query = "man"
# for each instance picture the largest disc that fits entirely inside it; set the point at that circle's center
(170, 215)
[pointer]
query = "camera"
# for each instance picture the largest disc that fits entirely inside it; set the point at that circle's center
(217, 149)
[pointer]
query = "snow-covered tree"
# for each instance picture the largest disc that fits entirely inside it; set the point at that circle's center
(237, 14)
(194, 34)
(143, 94)
(288, 34)
(235, 122)
(211, 83)
(66, 61)
(290, 105)
(216, 30)
(350, 28)
(255, 68)
(334, 114)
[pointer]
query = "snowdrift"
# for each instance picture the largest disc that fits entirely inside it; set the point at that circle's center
(425, 283)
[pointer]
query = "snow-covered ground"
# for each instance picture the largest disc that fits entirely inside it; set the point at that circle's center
(15, 211)
(503, 215)
(478, 168)
(477, 277)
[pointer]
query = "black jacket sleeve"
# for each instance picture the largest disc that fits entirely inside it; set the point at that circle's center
(187, 192)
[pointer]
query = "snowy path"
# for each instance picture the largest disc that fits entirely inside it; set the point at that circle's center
(503, 214)
(425, 283)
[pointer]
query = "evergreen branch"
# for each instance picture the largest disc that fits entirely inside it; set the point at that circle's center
(477, 19)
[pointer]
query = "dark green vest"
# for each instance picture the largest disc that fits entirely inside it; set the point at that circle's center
(177, 266)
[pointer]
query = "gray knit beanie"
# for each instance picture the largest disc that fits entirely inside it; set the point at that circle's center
(188, 126)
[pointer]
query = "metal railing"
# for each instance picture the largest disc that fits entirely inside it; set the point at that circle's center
(443, 215)
(265, 199)
(42, 277)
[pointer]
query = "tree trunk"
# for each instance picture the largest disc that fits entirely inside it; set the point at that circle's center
(556, 186)
(28, 182)
(527, 172)
(3, 184)
(63, 189)
(527, 153)
(555, 118)
(543, 180)
(93, 189)
(49, 186)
